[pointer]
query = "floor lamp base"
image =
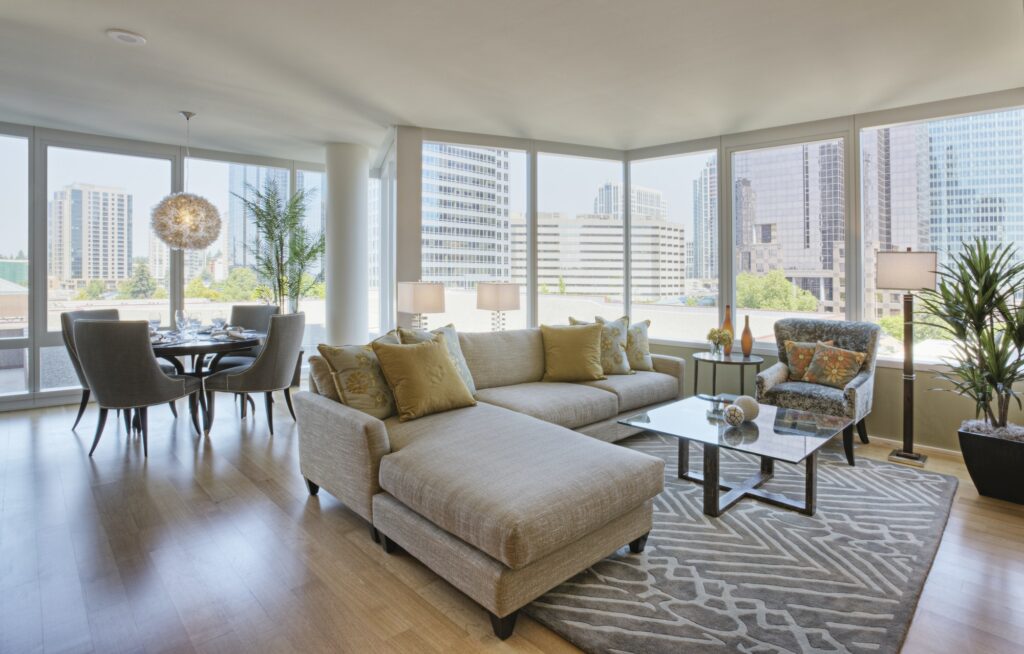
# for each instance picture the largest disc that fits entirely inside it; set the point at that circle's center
(908, 458)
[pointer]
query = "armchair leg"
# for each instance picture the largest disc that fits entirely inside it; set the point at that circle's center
(128, 421)
(862, 431)
(174, 408)
(99, 430)
(81, 407)
(270, 412)
(288, 401)
(143, 415)
(848, 444)
(503, 627)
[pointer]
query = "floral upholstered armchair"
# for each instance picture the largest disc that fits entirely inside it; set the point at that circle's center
(775, 387)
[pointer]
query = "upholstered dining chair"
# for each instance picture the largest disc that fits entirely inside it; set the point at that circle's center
(121, 371)
(67, 323)
(273, 369)
(853, 401)
(250, 316)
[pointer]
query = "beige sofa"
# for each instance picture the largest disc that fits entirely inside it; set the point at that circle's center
(508, 498)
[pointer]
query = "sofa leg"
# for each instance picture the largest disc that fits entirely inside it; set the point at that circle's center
(848, 444)
(313, 488)
(503, 627)
(374, 534)
(637, 546)
(390, 546)
(862, 431)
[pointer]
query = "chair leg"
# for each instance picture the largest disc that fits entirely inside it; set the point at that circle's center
(288, 400)
(209, 411)
(81, 407)
(862, 431)
(174, 409)
(503, 627)
(99, 430)
(137, 422)
(193, 410)
(270, 412)
(143, 415)
(128, 421)
(848, 444)
(313, 488)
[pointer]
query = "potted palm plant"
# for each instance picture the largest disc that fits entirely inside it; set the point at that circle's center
(978, 303)
(285, 249)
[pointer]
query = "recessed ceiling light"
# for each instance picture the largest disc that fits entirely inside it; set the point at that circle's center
(125, 37)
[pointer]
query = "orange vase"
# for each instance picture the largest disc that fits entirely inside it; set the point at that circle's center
(727, 325)
(747, 342)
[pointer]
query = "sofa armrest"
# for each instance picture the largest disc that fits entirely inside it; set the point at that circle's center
(340, 450)
(767, 379)
(859, 394)
(670, 366)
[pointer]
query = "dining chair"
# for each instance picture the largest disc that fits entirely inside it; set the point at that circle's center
(121, 371)
(67, 323)
(273, 369)
(255, 317)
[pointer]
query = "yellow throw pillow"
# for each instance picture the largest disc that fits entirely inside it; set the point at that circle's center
(613, 345)
(573, 353)
(423, 378)
(799, 356)
(358, 380)
(833, 366)
(451, 339)
(322, 376)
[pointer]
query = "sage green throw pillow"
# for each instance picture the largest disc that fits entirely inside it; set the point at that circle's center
(613, 345)
(638, 345)
(358, 379)
(451, 341)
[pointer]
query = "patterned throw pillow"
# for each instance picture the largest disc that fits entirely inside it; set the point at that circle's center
(613, 345)
(799, 356)
(638, 346)
(833, 366)
(451, 340)
(322, 377)
(358, 379)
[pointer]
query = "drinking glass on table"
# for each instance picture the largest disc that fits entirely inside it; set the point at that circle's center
(180, 320)
(194, 325)
(218, 322)
(154, 323)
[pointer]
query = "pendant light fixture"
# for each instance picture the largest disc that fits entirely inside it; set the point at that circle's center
(185, 221)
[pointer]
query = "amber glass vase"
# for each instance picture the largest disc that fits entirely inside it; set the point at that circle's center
(747, 342)
(727, 325)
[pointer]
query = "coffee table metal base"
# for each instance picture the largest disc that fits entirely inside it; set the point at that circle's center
(716, 502)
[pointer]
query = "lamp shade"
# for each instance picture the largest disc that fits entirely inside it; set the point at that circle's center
(497, 296)
(420, 297)
(906, 271)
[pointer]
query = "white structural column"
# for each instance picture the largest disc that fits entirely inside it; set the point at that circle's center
(346, 264)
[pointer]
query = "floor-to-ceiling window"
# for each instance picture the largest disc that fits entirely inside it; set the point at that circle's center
(473, 228)
(934, 185)
(674, 244)
(14, 265)
(789, 234)
(580, 238)
(313, 304)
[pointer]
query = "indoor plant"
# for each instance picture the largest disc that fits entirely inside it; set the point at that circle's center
(977, 302)
(285, 249)
(718, 339)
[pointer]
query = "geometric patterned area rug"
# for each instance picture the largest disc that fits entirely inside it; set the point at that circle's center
(762, 578)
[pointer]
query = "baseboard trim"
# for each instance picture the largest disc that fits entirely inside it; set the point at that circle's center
(930, 450)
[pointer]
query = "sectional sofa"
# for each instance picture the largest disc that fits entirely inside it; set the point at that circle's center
(508, 498)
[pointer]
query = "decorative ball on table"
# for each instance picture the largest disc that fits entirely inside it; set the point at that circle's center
(733, 415)
(749, 406)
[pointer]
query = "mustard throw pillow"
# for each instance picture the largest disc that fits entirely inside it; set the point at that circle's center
(573, 353)
(451, 339)
(613, 345)
(833, 366)
(358, 379)
(423, 378)
(799, 356)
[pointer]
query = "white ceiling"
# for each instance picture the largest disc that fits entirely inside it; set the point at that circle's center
(283, 77)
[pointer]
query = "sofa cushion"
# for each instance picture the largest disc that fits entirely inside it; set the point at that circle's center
(807, 397)
(503, 358)
(568, 405)
(458, 474)
(639, 389)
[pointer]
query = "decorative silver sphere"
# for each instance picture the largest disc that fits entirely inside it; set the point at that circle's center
(733, 415)
(749, 406)
(185, 221)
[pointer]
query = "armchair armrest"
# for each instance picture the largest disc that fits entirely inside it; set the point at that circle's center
(340, 450)
(773, 376)
(859, 394)
(670, 366)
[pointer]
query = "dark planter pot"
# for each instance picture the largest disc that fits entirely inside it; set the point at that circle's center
(996, 465)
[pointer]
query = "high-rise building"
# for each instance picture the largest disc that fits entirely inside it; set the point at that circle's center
(704, 263)
(89, 236)
(465, 217)
(159, 261)
(643, 202)
(240, 230)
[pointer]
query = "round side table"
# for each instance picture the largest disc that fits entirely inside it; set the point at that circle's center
(724, 360)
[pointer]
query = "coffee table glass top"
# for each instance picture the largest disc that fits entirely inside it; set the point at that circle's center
(784, 434)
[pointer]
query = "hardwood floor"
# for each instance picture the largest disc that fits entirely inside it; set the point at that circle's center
(214, 545)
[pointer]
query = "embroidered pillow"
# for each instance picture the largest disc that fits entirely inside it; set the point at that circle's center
(799, 356)
(833, 366)
(358, 379)
(423, 378)
(613, 345)
(321, 378)
(451, 340)
(638, 346)
(573, 353)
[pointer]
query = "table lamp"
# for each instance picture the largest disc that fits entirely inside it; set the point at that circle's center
(419, 298)
(907, 271)
(497, 297)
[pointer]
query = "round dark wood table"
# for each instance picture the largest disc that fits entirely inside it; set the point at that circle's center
(724, 360)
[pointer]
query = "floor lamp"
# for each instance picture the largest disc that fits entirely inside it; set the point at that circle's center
(419, 298)
(497, 297)
(907, 271)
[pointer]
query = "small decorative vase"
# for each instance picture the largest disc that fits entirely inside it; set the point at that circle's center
(714, 348)
(727, 325)
(747, 343)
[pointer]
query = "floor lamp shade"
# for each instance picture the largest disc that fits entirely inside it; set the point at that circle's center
(497, 296)
(420, 297)
(906, 271)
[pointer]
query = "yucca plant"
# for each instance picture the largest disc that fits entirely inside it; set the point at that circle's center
(285, 249)
(977, 302)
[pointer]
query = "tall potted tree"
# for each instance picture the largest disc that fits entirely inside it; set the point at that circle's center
(978, 303)
(285, 249)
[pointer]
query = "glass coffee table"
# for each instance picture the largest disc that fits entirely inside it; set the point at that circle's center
(776, 435)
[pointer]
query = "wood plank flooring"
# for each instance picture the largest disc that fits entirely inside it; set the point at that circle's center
(213, 545)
